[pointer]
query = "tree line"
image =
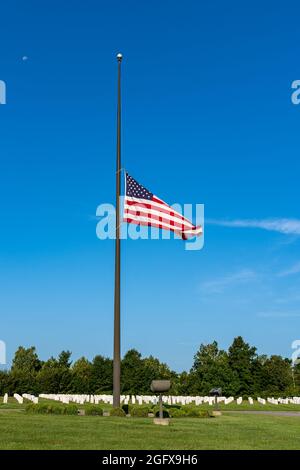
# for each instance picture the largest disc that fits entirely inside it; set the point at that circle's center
(240, 371)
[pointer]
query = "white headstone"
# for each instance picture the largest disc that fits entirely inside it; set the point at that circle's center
(18, 398)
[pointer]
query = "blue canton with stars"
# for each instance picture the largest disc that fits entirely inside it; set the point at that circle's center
(134, 189)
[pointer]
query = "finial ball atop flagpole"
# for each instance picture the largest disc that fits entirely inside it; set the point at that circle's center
(119, 57)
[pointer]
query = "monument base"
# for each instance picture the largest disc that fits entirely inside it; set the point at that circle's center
(162, 421)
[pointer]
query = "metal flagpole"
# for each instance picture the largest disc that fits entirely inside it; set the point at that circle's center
(117, 352)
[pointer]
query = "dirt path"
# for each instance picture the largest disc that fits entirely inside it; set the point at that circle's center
(271, 413)
(8, 410)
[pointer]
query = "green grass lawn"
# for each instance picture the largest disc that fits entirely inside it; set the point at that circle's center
(19, 430)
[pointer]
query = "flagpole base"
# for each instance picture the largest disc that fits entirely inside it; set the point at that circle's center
(161, 421)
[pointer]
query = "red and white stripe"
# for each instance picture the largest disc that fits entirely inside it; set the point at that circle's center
(156, 213)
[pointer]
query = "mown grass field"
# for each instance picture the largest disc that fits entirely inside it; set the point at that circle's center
(19, 430)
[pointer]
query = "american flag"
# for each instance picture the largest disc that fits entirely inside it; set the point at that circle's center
(141, 207)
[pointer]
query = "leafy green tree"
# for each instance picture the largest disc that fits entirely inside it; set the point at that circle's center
(4, 382)
(211, 370)
(47, 378)
(183, 383)
(153, 369)
(25, 366)
(240, 371)
(258, 376)
(296, 378)
(82, 374)
(277, 376)
(26, 360)
(132, 373)
(55, 375)
(64, 359)
(101, 375)
(241, 358)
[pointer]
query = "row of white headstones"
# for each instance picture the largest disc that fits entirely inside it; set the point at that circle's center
(20, 399)
(148, 399)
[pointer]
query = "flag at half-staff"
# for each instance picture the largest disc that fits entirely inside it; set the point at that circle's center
(141, 207)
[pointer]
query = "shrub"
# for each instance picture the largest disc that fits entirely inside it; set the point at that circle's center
(55, 409)
(70, 410)
(156, 412)
(42, 408)
(140, 411)
(205, 414)
(30, 408)
(93, 410)
(177, 413)
(194, 412)
(117, 412)
(126, 409)
(172, 406)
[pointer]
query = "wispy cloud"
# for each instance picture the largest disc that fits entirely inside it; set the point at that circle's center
(294, 269)
(217, 286)
(285, 226)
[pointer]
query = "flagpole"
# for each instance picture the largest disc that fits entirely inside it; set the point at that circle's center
(117, 348)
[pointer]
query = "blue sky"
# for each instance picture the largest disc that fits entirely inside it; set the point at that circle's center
(207, 118)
